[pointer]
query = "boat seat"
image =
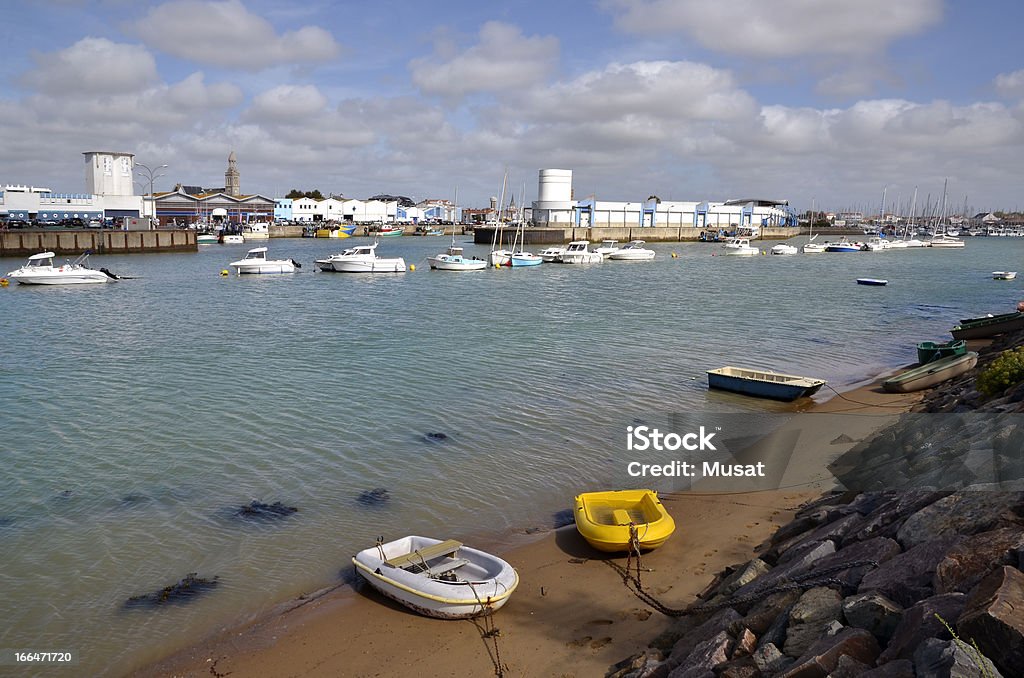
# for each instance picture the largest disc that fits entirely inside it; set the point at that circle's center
(621, 517)
(420, 556)
(441, 568)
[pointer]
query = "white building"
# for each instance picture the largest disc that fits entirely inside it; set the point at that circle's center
(556, 207)
(332, 209)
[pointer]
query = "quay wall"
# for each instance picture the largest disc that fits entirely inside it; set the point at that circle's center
(544, 236)
(25, 243)
(286, 230)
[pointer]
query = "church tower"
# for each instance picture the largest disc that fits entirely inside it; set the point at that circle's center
(232, 184)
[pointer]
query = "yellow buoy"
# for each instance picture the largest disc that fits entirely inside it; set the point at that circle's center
(224, 271)
(4, 282)
(675, 256)
(412, 267)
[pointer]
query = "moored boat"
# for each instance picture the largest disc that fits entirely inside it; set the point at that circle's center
(454, 260)
(608, 248)
(844, 245)
(39, 270)
(256, 230)
(763, 383)
(608, 520)
(578, 252)
(438, 578)
(931, 374)
(255, 261)
(551, 254)
(1004, 275)
(988, 326)
(927, 351)
(783, 249)
(634, 250)
(361, 259)
(740, 247)
(872, 281)
(390, 231)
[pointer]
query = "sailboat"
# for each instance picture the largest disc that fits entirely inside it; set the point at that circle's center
(499, 256)
(811, 247)
(453, 259)
(941, 239)
(520, 258)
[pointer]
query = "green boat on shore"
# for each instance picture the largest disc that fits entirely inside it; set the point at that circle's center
(932, 374)
(988, 326)
(927, 351)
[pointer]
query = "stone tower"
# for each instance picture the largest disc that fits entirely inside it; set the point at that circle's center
(232, 184)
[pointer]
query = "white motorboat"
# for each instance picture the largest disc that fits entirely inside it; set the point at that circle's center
(231, 239)
(551, 254)
(453, 260)
(634, 250)
(608, 248)
(813, 248)
(578, 252)
(256, 230)
(255, 261)
(946, 242)
(739, 247)
(1004, 275)
(844, 245)
(783, 249)
(914, 242)
(874, 244)
(39, 270)
(361, 259)
(436, 578)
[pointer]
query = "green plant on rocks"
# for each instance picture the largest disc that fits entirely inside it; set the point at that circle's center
(1005, 371)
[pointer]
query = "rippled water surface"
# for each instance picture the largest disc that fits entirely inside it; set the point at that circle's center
(138, 415)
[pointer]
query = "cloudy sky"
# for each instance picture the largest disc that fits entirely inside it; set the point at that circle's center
(687, 99)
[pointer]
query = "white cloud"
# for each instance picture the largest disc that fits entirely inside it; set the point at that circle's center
(781, 28)
(503, 58)
(287, 102)
(1010, 84)
(93, 66)
(224, 33)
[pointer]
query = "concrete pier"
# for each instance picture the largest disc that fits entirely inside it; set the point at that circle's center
(24, 243)
(483, 235)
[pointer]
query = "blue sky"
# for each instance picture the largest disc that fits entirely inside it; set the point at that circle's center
(685, 99)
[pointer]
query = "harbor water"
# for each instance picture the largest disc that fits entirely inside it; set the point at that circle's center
(139, 416)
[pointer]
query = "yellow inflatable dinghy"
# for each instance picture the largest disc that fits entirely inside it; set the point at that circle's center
(604, 519)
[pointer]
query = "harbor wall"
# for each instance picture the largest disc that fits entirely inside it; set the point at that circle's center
(286, 230)
(545, 236)
(25, 243)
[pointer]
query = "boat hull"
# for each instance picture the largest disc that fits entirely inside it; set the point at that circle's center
(445, 262)
(525, 259)
(270, 267)
(932, 374)
(872, 282)
(927, 351)
(763, 384)
(981, 328)
(633, 255)
(604, 519)
(85, 277)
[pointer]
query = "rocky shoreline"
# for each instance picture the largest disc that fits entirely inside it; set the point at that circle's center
(916, 572)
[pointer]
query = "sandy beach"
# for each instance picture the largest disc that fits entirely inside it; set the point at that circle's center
(572, 614)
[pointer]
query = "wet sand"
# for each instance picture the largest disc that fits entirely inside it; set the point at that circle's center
(571, 615)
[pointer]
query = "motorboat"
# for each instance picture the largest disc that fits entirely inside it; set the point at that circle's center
(634, 250)
(844, 245)
(256, 230)
(783, 249)
(988, 326)
(255, 261)
(1004, 275)
(611, 521)
(813, 248)
(551, 254)
(607, 248)
(914, 242)
(945, 241)
(361, 259)
(231, 239)
(206, 238)
(740, 247)
(931, 374)
(763, 383)
(872, 282)
(875, 244)
(578, 252)
(39, 270)
(438, 578)
(390, 231)
(454, 260)
(927, 351)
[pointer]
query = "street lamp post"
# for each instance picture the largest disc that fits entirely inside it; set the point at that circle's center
(151, 175)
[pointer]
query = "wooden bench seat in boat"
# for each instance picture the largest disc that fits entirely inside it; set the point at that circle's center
(441, 568)
(420, 556)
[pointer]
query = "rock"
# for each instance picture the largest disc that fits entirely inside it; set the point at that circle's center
(770, 660)
(378, 496)
(834, 531)
(920, 622)
(638, 665)
(964, 512)
(823, 655)
(886, 520)
(848, 667)
(936, 658)
(776, 633)
(994, 619)
(766, 611)
(184, 591)
(907, 578)
(975, 557)
(435, 437)
(743, 667)
(782, 573)
(808, 619)
(874, 613)
(257, 510)
(901, 668)
(704, 657)
(665, 640)
(746, 643)
(877, 550)
(742, 576)
(716, 624)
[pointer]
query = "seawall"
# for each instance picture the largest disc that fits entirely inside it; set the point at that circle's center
(25, 243)
(542, 236)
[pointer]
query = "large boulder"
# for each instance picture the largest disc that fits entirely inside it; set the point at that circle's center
(936, 658)
(975, 557)
(964, 512)
(874, 613)
(920, 622)
(823, 655)
(887, 519)
(716, 624)
(907, 578)
(994, 619)
(809, 618)
(704, 658)
(877, 551)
